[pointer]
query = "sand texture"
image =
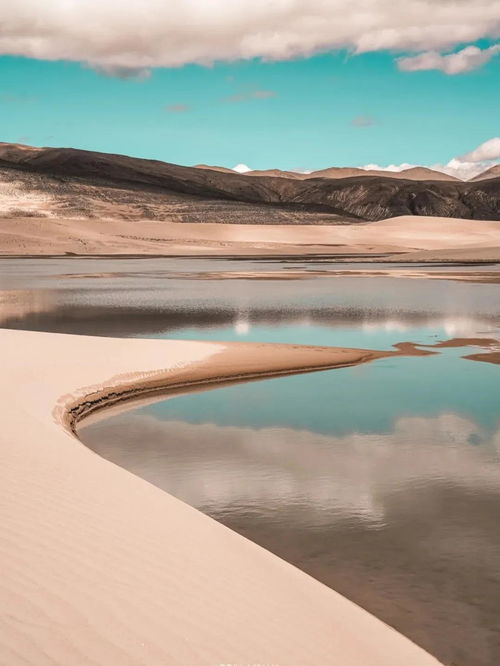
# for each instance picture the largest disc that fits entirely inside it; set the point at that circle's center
(404, 238)
(101, 568)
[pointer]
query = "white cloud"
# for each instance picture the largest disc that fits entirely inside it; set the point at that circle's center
(463, 170)
(241, 168)
(465, 167)
(489, 150)
(390, 167)
(138, 34)
(241, 326)
(363, 468)
(469, 58)
(455, 167)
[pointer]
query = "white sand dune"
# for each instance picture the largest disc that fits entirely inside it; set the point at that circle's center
(42, 236)
(101, 568)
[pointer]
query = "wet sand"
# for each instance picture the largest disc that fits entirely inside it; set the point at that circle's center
(491, 357)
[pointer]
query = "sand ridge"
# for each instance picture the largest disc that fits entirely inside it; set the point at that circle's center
(100, 567)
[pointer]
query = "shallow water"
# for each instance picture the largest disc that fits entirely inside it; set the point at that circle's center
(381, 480)
(155, 297)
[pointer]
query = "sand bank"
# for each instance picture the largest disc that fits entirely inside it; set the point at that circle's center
(431, 238)
(99, 567)
(485, 276)
(490, 357)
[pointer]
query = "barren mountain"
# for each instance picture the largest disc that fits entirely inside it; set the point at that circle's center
(214, 168)
(422, 173)
(414, 173)
(277, 173)
(492, 172)
(65, 182)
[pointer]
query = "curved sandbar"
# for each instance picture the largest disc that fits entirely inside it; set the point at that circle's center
(100, 567)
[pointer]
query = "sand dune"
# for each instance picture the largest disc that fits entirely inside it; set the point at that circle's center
(428, 237)
(99, 567)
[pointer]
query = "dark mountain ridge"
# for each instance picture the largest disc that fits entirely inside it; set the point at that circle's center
(99, 182)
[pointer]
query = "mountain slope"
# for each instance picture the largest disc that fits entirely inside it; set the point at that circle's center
(492, 172)
(413, 173)
(69, 182)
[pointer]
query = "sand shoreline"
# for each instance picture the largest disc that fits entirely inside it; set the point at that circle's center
(100, 567)
(97, 401)
(397, 257)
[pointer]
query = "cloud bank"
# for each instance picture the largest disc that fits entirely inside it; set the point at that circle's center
(489, 150)
(136, 35)
(464, 167)
(465, 60)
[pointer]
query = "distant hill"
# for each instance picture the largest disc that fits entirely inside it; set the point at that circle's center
(66, 182)
(413, 173)
(493, 172)
(423, 173)
(257, 172)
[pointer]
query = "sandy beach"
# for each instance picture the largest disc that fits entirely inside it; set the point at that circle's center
(100, 567)
(409, 238)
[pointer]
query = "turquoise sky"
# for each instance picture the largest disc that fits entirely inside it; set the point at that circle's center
(292, 115)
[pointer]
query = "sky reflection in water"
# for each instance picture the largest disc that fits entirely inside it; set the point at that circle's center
(381, 480)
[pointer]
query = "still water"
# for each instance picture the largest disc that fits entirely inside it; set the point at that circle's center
(382, 480)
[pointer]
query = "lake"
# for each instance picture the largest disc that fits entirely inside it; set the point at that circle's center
(381, 480)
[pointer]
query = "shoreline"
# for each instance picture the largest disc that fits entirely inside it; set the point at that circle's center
(99, 403)
(80, 411)
(162, 583)
(397, 257)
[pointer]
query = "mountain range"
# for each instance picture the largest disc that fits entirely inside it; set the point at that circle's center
(411, 173)
(66, 182)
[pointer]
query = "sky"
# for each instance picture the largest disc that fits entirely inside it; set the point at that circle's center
(267, 85)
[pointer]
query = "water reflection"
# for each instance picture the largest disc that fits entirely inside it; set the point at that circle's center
(404, 523)
(164, 296)
(382, 480)
(222, 468)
